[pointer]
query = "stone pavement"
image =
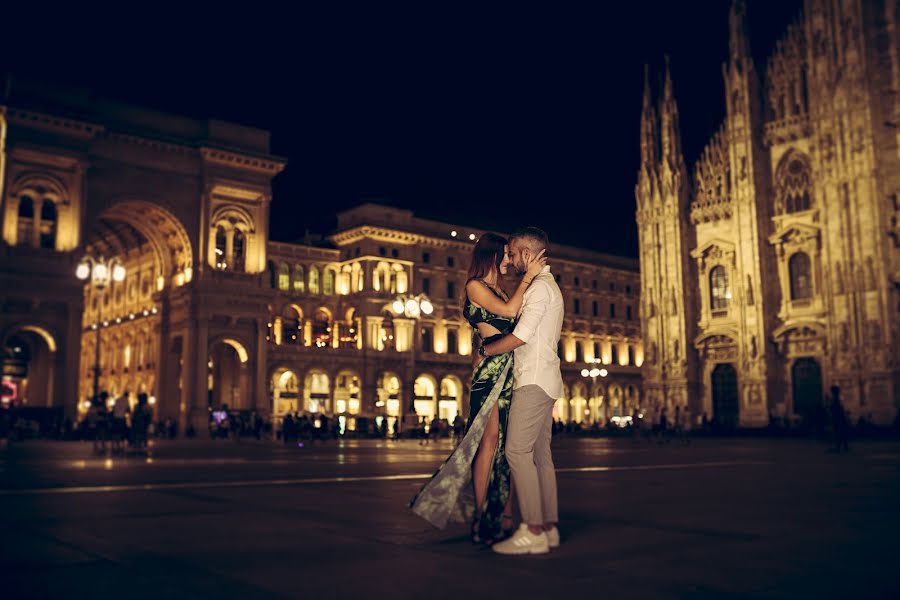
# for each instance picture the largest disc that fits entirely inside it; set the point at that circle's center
(721, 518)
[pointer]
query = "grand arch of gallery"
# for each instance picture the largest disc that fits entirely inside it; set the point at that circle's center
(155, 249)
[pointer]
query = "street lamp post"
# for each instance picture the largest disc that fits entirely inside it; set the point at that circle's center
(411, 307)
(99, 272)
(594, 372)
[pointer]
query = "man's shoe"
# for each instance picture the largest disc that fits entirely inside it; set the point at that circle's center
(552, 537)
(523, 542)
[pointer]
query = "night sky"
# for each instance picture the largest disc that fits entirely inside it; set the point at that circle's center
(464, 114)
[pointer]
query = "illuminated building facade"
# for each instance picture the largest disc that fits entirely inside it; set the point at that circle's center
(772, 273)
(212, 313)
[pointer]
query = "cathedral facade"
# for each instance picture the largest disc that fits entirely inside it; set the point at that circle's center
(771, 272)
(208, 312)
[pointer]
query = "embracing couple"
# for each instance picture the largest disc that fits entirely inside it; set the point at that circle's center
(506, 450)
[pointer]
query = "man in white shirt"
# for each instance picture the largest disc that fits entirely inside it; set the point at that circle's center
(537, 385)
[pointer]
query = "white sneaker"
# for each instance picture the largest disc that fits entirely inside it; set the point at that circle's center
(553, 537)
(523, 542)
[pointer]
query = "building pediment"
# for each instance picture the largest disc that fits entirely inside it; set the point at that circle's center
(795, 234)
(714, 248)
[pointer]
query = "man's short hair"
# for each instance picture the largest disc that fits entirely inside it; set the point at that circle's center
(533, 237)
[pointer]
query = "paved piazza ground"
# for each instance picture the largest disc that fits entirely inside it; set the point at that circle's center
(721, 518)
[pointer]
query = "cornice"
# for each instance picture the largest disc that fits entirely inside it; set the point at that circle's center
(268, 166)
(397, 236)
(69, 127)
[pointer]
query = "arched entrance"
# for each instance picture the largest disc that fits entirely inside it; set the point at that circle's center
(579, 404)
(155, 250)
(227, 378)
(806, 382)
(616, 402)
(29, 366)
(725, 395)
(450, 403)
(425, 400)
(285, 392)
(317, 392)
(389, 399)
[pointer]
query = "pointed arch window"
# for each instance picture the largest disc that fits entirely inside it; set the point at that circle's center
(794, 183)
(313, 280)
(299, 279)
(238, 250)
(719, 292)
(284, 277)
(48, 224)
(25, 221)
(221, 247)
(799, 267)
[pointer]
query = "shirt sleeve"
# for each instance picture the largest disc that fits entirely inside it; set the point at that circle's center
(537, 300)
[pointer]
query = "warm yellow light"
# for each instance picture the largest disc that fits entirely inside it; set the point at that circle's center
(595, 372)
(472, 236)
(585, 372)
(118, 273)
(426, 307)
(239, 348)
(188, 274)
(151, 400)
(397, 306)
(83, 271)
(603, 373)
(101, 273)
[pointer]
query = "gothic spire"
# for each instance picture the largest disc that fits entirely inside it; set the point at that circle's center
(668, 118)
(649, 126)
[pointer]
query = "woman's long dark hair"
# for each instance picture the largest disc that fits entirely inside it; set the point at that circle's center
(487, 255)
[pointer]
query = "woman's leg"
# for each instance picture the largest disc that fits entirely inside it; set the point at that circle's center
(484, 458)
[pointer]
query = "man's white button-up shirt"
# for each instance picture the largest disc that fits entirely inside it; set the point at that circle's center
(539, 326)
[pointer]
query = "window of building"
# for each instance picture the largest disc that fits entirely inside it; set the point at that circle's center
(630, 355)
(451, 289)
(313, 280)
(719, 293)
(800, 273)
(382, 251)
(628, 313)
(594, 284)
(452, 342)
(615, 354)
(628, 289)
(284, 277)
(558, 279)
(426, 257)
(358, 251)
(221, 241)
(328, 284)
(237, 250)
(299, 279)
(395, 253)
(450, 261)
(426, 285)
(596, 350)
(577, 282)
(595, 308)
(612, 286)
(427, 340)
(579, 352)
(612, 310)
(26, 221)
(48, 224)
(576, 304)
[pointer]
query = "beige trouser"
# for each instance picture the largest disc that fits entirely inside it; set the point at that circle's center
(528, 453)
